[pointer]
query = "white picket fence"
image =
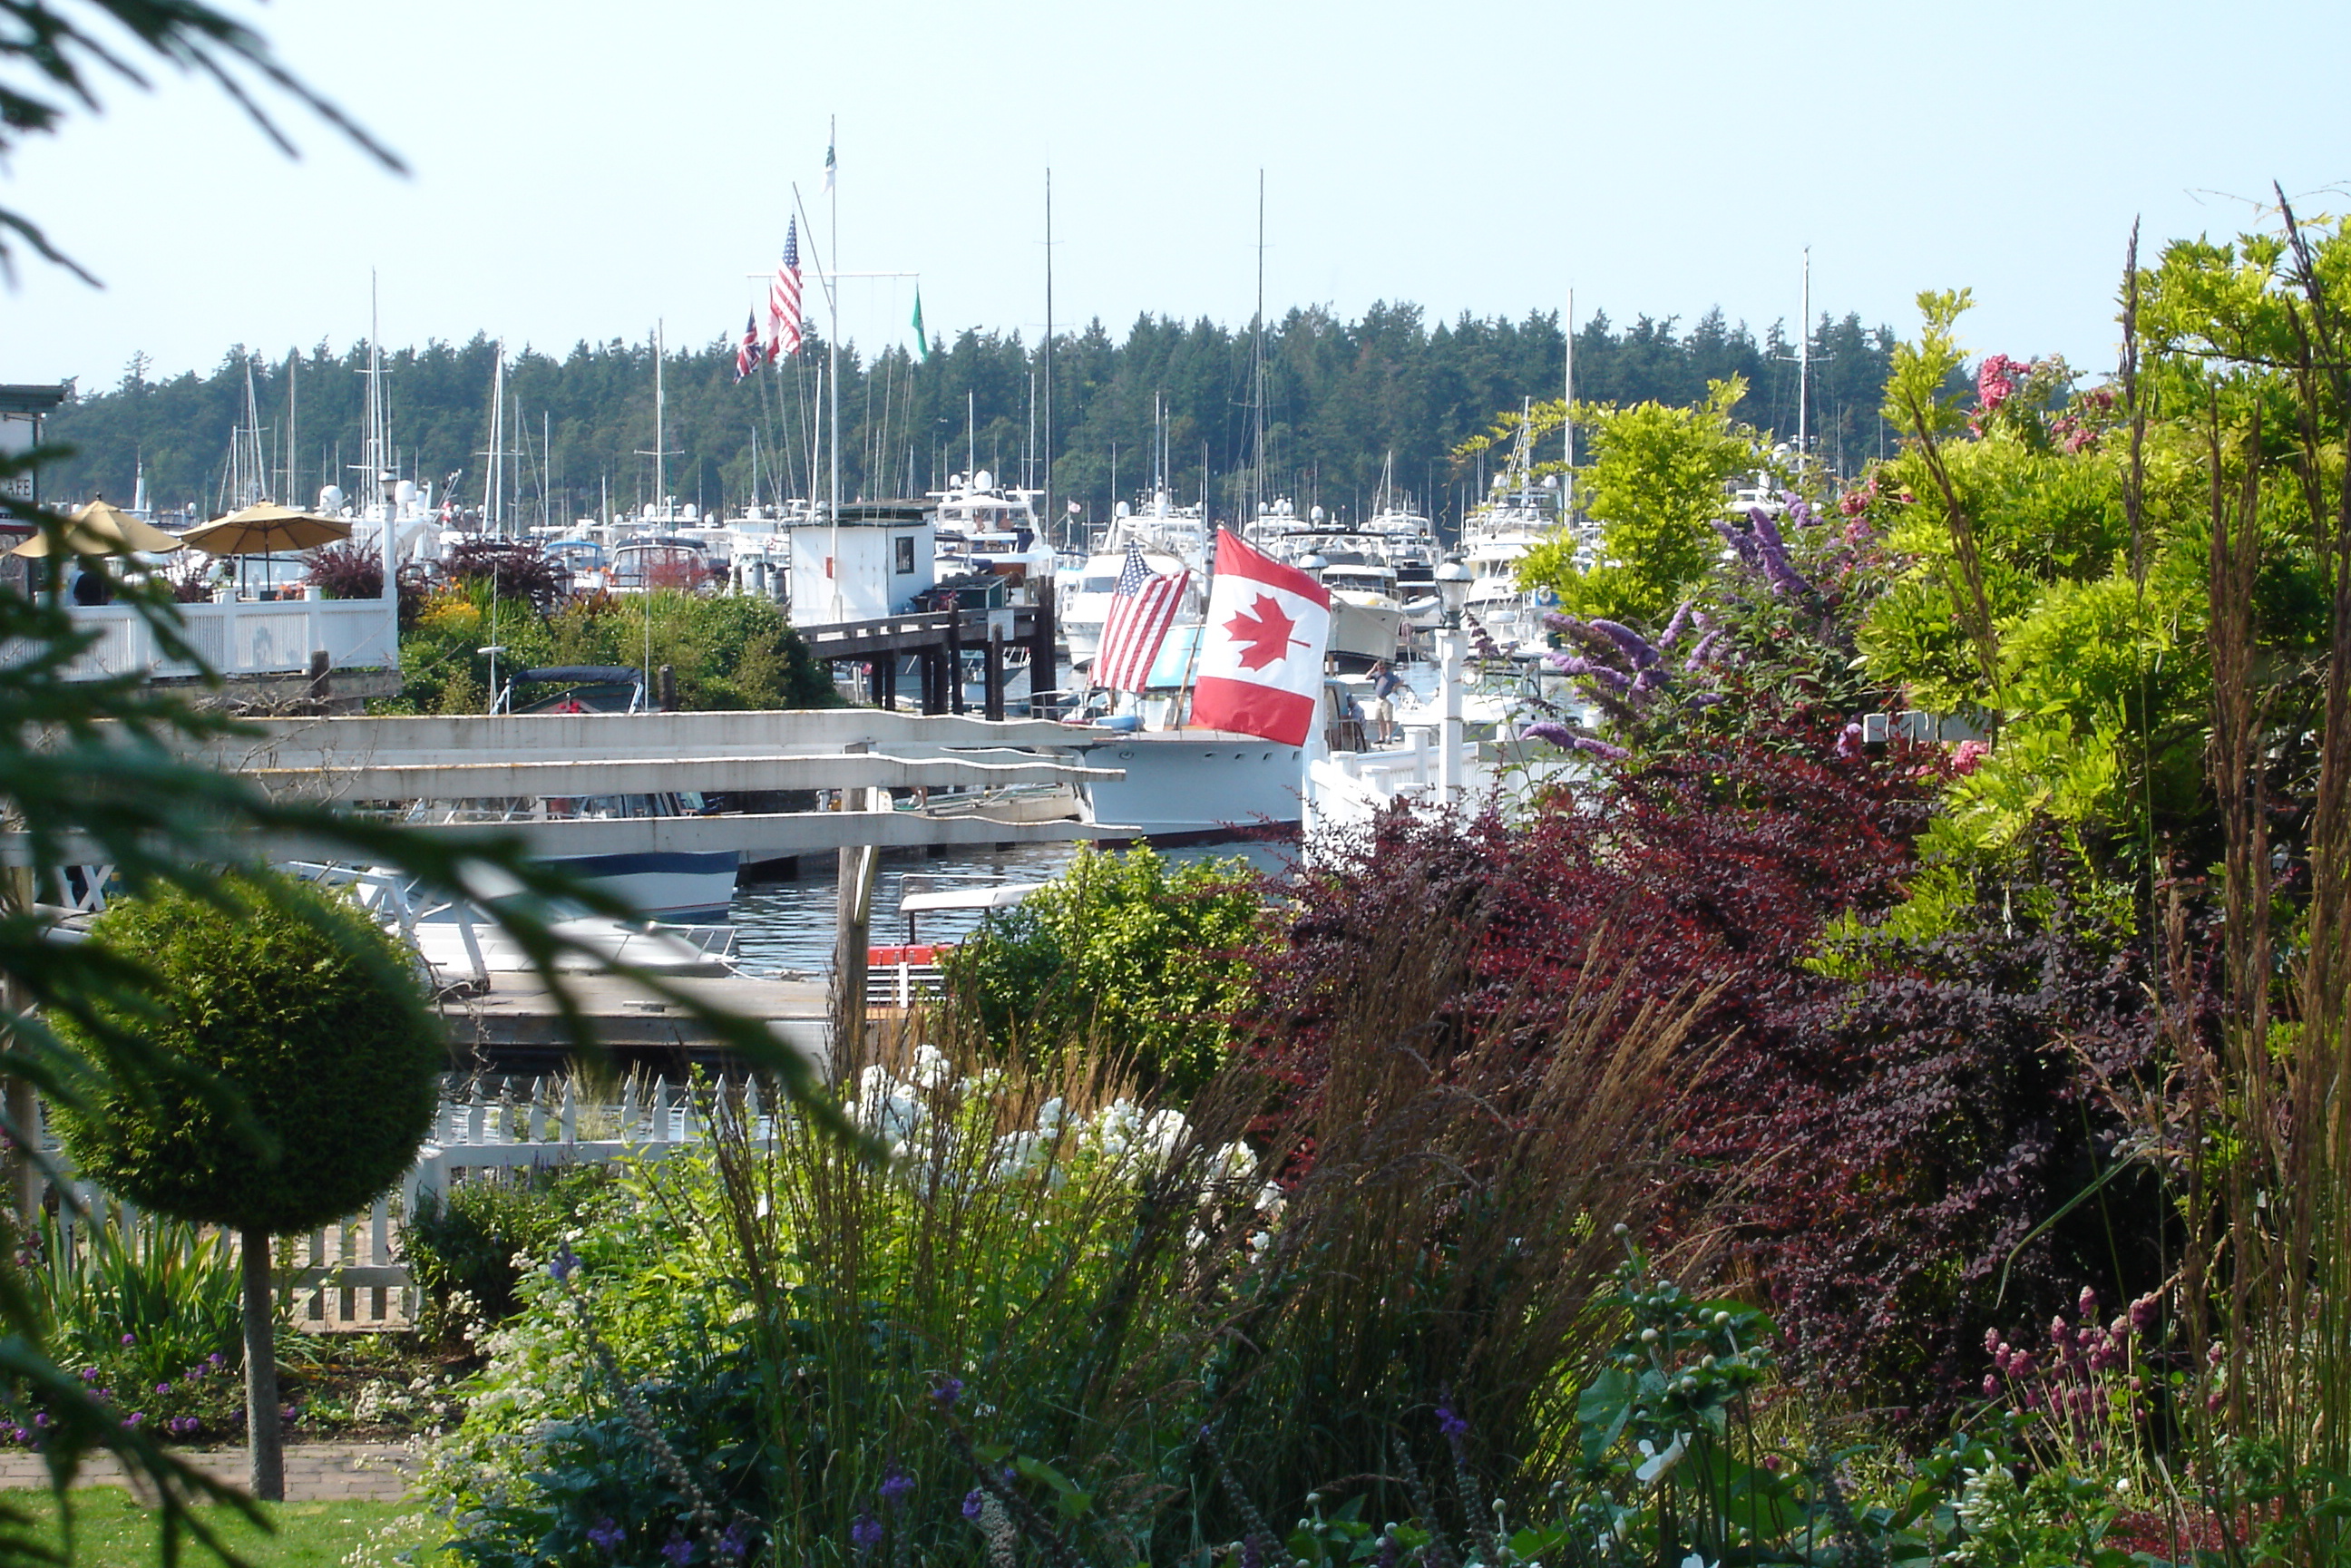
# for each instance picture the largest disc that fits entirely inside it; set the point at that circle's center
(348, 1275)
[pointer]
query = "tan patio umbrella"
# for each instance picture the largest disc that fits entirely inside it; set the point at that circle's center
(100, 529)
(265, 528)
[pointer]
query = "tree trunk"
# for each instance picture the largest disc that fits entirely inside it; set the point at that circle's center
(263, 1429)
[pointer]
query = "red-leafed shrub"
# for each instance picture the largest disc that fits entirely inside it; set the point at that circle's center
(1875, 1148)
(513, 569)
(1917, 1139)
(348, 571)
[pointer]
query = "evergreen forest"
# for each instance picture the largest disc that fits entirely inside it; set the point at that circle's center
(1172, 404)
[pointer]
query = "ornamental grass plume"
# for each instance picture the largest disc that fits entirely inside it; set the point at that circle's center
(1439, 1176)
(1034, 1258)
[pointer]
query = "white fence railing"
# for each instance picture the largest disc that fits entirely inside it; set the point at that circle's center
(269, 637)
(350, 1274)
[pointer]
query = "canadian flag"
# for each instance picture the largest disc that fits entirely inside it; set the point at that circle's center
(1262, 653)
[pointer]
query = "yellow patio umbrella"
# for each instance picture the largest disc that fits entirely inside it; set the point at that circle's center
(265, 528)
(100, 529)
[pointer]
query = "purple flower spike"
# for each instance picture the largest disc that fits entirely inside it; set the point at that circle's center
(606, 1536)
(679, 1551)
(1848, 746)
(565, 1262)
(1674, 627)
(1550, 731)
(1637, 648)
(1737, 539)
(896, 1487)
(1702, 652)
(130, 1339)
(1600, 748)
(947, 1393)
(865, 1533)
(1450, 1423)
(971, 1504)
(735, 1544)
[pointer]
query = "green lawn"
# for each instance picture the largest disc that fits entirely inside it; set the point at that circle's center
(111, 1531)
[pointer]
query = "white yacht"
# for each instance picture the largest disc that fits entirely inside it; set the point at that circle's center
(1172, 539)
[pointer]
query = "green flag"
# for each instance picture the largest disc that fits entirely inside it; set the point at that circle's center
(921, 339)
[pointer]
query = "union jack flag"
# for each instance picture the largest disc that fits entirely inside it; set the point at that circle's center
(784, 298)
(747, 357)
(1142, 608)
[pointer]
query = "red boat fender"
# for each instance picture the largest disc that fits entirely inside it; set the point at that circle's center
(891, 957)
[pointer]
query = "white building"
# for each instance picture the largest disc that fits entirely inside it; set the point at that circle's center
(869, 565)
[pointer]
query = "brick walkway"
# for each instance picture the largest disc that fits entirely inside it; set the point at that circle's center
(315, 1473)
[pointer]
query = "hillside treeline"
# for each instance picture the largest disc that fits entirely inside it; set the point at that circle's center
(1172, 403)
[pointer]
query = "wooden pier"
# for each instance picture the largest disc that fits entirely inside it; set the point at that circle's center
(936, 643)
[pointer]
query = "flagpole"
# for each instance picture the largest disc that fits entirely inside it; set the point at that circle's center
(832, 336)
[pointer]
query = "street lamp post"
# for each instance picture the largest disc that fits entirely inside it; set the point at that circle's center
(1453, 580)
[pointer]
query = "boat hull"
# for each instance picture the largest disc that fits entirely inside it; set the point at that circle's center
(1200, 784)
(663, 885)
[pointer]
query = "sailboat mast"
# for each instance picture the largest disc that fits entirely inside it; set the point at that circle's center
(1568, 422)
(832, 338)
(1804, 369)
(293, 434)
(1052, 518)
(493, 489)
(661, 437)
(1256, 397)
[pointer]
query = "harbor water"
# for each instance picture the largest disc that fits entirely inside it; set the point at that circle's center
(788, 926)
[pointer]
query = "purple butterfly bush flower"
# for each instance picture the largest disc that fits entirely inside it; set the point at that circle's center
(1600, 748)
(1637, 648)
(1848, 742)
(1772, 553)
(1674, 627)
(1550, 731)
(1740, 541)
(1701, 652)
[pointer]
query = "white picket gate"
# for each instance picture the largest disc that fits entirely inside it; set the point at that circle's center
(348, 1275)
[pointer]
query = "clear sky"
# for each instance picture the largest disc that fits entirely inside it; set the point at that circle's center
(582, 169)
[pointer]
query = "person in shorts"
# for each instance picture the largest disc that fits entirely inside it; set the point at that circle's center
(1384, 686)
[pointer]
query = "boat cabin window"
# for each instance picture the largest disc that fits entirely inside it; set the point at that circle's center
(1100, 585)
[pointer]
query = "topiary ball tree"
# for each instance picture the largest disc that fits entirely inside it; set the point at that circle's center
(311, 1058)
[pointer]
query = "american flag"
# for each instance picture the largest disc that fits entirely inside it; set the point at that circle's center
(747, 357)
(784, 298)
(1142, 608)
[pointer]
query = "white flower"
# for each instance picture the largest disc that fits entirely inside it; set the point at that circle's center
(1658, 1462)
